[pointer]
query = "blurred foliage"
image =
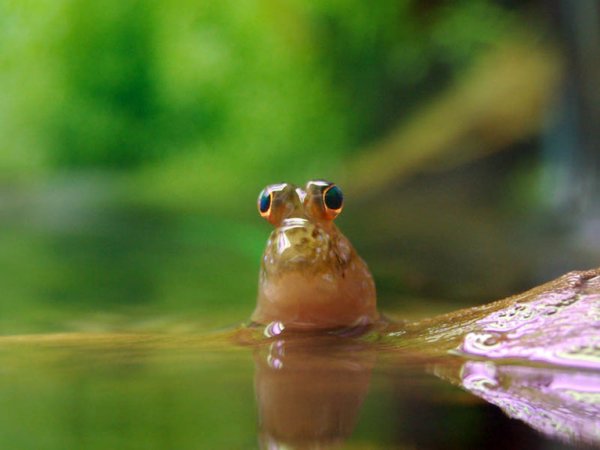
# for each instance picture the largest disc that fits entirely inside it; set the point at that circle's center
(94, 268)
(215, 95)
(192, 104)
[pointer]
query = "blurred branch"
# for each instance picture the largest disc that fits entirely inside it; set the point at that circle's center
(500, 100)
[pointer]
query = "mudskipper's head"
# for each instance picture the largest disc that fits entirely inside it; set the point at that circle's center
(311, 276)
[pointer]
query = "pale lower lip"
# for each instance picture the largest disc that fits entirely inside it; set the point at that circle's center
(294, 222)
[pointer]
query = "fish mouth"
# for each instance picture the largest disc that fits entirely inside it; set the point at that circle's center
(295, 222)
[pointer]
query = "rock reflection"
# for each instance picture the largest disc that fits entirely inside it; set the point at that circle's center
(309, 391)
(560, 404)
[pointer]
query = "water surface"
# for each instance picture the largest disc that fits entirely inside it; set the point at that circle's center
(118, 324)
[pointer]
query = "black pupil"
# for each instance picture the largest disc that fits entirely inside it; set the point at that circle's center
(265, 202)
(334, 198)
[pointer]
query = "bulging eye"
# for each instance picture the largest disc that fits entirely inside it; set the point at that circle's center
(333, 201)
(264, 203)
(323, 200)
(276, 202)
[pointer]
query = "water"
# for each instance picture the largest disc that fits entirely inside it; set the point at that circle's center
(120, 330)
(158, 391)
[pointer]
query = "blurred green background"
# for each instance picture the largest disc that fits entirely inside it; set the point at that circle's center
(136, 136)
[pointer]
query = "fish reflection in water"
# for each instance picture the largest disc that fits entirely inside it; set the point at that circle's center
(310, 390)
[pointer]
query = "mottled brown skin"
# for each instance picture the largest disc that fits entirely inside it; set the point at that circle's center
(311, 277)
